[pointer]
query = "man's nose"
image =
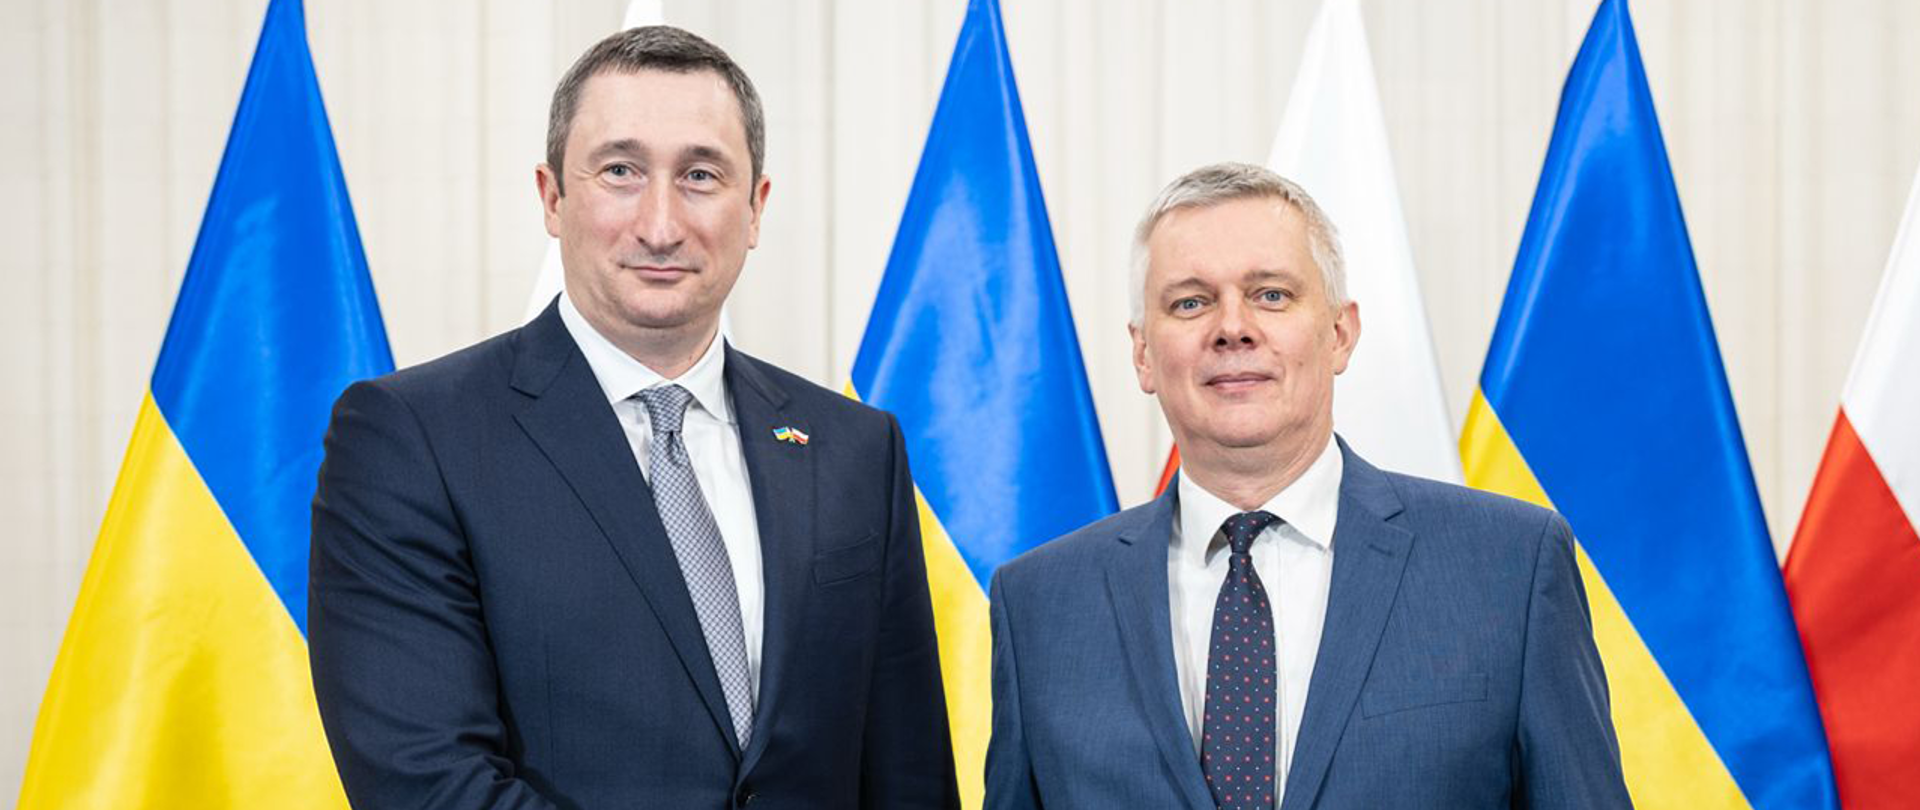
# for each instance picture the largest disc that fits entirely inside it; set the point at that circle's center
(658, 223)
(1234, 327)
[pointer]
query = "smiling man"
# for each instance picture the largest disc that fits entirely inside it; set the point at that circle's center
(607, 560)
(1288, 626)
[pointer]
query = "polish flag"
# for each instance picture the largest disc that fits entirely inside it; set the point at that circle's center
(1853, 572)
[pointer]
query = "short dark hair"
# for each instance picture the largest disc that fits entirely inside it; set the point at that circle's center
(652, 47)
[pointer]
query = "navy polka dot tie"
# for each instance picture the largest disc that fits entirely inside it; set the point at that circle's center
(1236, 736)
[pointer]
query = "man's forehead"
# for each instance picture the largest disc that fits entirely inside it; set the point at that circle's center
(1247, 217)
(1244, 226)
(661, 95)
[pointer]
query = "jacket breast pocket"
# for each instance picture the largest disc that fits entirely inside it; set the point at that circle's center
(1388, 698)
(845, 561)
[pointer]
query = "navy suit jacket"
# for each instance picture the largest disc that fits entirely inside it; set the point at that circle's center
(498, 620)
(1456, 667)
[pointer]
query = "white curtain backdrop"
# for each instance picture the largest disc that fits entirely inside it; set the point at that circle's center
(1793, 128)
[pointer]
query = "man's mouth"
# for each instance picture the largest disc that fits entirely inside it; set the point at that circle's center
(1237, 381)
(658, 272)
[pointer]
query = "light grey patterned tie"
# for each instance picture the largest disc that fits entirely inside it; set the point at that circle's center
(697, 545)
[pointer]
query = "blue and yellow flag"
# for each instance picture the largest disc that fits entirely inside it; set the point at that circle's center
(183, 680)
(972, 346)
(1603, 394)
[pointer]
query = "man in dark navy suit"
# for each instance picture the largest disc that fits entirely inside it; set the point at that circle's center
(606, 560)
(1288, 626)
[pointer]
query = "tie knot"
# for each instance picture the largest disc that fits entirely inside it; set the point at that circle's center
(666, 406)
(1243, 527)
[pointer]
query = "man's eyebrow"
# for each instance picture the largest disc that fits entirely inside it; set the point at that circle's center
(1185, 284)
(711, 154)
(1274, 274)
(625, 147)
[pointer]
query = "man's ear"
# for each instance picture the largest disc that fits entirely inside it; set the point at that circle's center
(758, 199)
(1142, 365)
(1346, 334)
(548, 184)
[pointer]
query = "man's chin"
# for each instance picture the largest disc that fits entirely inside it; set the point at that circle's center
(1232, 437)
(1265, 435)
(1241, 442)
(665, 318)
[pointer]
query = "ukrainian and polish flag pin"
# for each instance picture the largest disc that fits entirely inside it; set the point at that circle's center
(790, 434)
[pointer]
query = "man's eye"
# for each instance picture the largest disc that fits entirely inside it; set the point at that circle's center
(620, 170)
(1186, 304)
(1275, 296)
(702, 176)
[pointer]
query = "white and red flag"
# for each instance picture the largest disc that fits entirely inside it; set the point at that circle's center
(1853, 572)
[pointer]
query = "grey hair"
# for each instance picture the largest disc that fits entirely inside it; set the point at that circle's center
(652, 47)
(1226, 182)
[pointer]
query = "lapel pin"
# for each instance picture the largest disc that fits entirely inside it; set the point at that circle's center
(790, 435)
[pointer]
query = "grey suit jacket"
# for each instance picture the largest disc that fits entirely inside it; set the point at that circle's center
(1456, 668)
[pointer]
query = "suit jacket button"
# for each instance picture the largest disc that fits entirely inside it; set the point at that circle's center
(744, 797)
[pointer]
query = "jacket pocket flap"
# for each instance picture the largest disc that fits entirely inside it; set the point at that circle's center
(846, 561)
(1395, 697)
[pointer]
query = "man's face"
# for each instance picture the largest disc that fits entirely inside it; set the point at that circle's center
(1239, 340)
(660, 206)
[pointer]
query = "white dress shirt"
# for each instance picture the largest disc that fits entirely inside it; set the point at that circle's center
(1295, 563)
(713, 446)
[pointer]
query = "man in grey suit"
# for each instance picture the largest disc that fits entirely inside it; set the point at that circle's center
(1288, 626)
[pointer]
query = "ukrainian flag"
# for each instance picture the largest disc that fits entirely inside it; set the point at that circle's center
(972, 346)
(1603, 396)
(183, 679)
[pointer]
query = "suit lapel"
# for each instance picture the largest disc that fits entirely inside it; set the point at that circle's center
(783, 478)
(570, 420)
(1369, 556)
(1137, 585)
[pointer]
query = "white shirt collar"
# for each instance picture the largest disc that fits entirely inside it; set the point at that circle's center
(621, 376)
(1310, 506)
